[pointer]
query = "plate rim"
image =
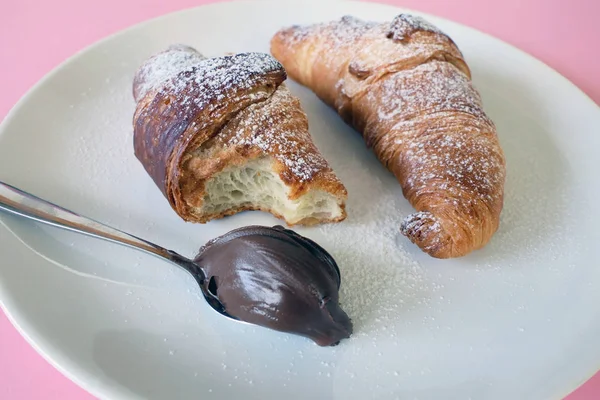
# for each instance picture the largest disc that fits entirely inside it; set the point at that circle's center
(17, 322)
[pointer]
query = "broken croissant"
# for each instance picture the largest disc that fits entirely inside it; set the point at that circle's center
(223, 135)
(406, 87)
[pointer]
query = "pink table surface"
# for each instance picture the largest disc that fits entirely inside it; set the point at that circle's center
(37, 35)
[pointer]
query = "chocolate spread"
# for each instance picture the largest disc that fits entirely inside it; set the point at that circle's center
(276, 278)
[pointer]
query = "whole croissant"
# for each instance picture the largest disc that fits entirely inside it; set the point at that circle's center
(406, 87)
(223, 135)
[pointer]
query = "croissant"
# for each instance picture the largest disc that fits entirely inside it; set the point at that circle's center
(222, 135)
(407, 88)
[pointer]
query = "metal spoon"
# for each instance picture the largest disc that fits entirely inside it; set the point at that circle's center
(18, 202)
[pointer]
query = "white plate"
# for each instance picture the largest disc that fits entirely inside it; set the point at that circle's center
(519, 319)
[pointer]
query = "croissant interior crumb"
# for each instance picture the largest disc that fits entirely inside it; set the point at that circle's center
(255, 186)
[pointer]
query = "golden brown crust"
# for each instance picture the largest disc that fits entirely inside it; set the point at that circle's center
(197, 116)
(406, 87)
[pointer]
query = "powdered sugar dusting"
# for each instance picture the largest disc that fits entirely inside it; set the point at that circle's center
(266, 126)
(430, 88)
(194, 81)
(405, 24)
(194, 84)
(363, 45)
(348, 30)
(211, 80)
(415, 220)
(284, 146)
(343, 32)
(465, 165)
(164, 66)
(380, 278)
(394, 107)
(436, 97)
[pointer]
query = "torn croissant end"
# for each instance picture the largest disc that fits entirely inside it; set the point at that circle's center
(405, 86)
(223, 135)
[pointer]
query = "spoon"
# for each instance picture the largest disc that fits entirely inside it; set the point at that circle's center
(23, 204)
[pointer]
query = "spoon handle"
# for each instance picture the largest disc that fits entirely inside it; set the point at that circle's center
(18, 202)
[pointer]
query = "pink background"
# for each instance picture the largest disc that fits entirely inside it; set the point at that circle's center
(37, 35)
